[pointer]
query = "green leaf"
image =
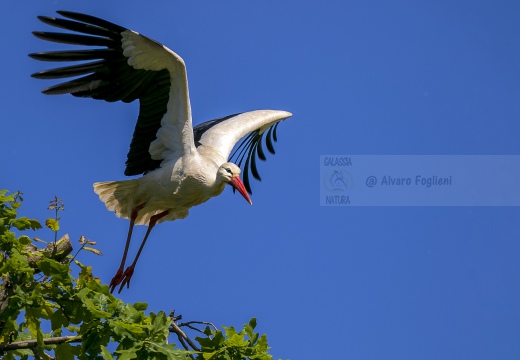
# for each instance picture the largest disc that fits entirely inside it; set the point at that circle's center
(129, 330)
(24, 240)
(91, 339)
(208, 356)
(170, 352)
(3, 198)
(106, 354)
(262, 343)
(65, 352)
(249, 329)
(127, 354)
(237, 340)
(140, 306)
(160, 325)
(230, 331)
(209, 344)
(58, 320)
(33, 324)
(17, 264)
(91, 306)
(73, 329)
(24, 223)
(58, 271)
(85, 275)
(52, 224)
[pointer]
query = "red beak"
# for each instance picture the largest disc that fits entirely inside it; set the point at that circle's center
(237, 184)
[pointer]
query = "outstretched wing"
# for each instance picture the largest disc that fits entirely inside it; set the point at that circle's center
(224, 133)
(129, 66)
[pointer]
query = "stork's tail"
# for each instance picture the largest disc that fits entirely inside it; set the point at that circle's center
(118, 196)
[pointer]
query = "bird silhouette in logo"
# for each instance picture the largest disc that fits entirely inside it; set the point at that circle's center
(338, 182)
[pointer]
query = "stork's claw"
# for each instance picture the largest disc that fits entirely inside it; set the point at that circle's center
(116, 280)
(126, 278)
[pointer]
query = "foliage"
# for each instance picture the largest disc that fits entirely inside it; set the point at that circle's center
(233, 344)
(81, 317)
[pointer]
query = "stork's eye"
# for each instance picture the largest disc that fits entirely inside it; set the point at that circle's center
(229, 171)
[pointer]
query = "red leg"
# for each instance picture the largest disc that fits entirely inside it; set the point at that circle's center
(118, 277)
(130, 270)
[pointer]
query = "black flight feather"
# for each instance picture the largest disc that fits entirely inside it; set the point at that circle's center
(107, 77)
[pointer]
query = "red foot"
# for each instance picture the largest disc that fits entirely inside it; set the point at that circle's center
(116, 280)
(126, 278)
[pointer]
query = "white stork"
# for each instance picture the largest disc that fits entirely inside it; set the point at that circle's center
(182, 166)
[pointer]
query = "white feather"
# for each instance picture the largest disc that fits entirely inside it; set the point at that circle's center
(175, 137)
(224, 136)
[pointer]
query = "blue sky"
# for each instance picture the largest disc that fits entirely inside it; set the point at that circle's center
(360, 77)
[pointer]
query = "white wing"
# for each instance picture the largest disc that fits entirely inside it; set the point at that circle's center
(175, 136)
(224, 135)
(218, 137)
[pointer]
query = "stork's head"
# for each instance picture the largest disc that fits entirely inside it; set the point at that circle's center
(230, 174)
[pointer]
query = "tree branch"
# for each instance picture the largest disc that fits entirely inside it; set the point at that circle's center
(188, 324)
(29, 344)
(183, 338)
(58, 251)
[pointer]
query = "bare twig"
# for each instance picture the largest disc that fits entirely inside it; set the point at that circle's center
(180, 334)
(183, 338)
(188, 324)
(183, 343)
